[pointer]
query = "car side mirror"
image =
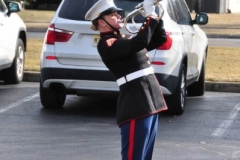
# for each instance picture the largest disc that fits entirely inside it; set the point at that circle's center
(201, 18)
(13, 7)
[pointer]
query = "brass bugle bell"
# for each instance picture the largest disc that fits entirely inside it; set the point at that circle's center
(135, 12)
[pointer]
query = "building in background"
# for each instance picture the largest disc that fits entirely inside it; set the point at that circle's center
(233, 6)
(214, 6)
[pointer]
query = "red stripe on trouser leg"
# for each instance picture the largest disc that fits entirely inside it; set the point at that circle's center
(131, 139)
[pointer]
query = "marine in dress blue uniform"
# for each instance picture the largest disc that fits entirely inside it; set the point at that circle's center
(140, 99)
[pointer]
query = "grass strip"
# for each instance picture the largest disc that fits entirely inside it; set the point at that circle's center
(32, 59)
(36, 16)
(222, 62)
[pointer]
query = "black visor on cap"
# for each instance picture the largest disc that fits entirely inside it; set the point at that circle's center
(111, 10)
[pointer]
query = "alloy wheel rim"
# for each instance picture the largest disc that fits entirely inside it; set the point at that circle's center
(183, 90)
(20, 61)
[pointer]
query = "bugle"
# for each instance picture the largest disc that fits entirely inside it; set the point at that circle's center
(137, 11)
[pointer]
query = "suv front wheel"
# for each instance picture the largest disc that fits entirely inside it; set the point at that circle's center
(14, 74)
(176, 102)
(198, 88)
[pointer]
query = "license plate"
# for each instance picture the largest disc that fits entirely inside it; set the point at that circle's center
(96, 39)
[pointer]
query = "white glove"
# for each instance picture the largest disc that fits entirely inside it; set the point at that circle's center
(150, 11)
(149, 8)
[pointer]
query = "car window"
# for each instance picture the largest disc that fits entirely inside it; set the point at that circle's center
(170, 11)
(181, 12)
(2, 6)
(76, 9)
(185, 11)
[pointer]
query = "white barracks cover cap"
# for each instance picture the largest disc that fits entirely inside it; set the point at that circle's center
(100, 8)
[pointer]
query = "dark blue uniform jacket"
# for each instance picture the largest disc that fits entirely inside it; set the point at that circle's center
(142, 96)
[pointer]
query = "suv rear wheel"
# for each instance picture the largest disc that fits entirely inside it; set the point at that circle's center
(52, 97)
(14, 74)
(176, 102)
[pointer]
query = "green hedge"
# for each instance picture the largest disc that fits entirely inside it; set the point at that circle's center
(42, 4)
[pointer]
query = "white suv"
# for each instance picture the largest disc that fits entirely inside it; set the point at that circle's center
(70, 63)
(12, 43)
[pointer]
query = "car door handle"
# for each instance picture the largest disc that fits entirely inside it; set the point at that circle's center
(1, 23)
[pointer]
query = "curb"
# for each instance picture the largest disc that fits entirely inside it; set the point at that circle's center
(223, 36)
(31, 76)
(233, 87)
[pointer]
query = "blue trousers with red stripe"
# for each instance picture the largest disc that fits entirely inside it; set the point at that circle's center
(138, 137)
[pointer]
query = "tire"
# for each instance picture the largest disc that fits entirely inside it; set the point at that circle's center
(14, 74)
(52, 97)
(176, 101)
(198, 88)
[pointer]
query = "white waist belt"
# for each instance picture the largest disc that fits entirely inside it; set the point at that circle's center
(135, 75)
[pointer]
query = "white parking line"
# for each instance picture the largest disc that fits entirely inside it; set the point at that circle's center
(15, 104)
(226, 124)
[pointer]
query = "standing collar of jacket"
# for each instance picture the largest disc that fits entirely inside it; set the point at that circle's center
(102, 34)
